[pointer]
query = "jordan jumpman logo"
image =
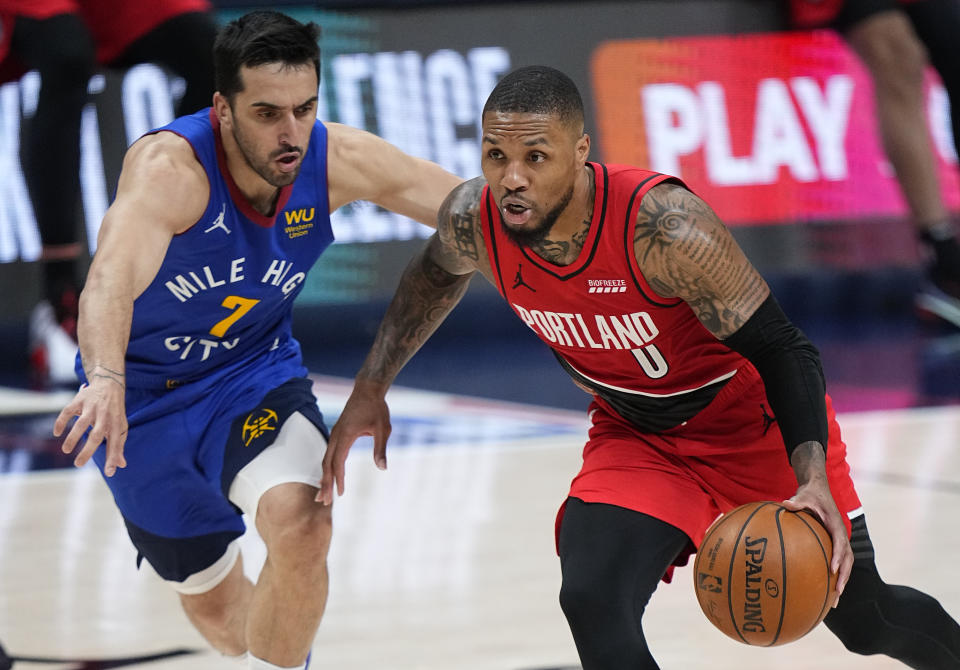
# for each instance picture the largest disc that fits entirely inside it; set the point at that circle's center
(218, 222)
(518, 280)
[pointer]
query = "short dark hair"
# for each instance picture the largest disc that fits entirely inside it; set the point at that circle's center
(537, 89)
(259, 38)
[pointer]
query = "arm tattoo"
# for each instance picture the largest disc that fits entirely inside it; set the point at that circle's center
(426, 294)
(685, 251)
(464, 228)
(431, 286)
(458, 228)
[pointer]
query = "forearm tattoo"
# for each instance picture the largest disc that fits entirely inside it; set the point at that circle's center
(426, 294)
(807, 458)
(685, 251)
(431, 286)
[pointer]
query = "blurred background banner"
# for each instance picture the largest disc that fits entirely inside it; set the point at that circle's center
(771, 127)
(767, 128)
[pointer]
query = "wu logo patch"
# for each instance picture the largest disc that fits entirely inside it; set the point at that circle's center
(606, 285)
(218, 222)
(298, 221)
(258, 423)
(518, 280)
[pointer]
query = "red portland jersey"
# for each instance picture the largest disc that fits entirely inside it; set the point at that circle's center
(648, 357)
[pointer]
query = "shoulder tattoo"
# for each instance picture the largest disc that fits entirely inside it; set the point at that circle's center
(685, 251)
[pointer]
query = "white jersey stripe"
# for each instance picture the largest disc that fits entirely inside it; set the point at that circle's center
(652, 395)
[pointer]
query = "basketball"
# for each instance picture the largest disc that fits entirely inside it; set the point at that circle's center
(762, 574)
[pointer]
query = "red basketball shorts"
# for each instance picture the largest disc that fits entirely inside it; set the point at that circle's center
(729, 454)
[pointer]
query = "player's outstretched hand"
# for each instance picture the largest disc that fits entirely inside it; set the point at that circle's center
(366, 413)
(815, 496)
(98, 406)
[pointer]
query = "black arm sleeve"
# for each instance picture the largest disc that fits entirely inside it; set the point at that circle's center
(790, 367)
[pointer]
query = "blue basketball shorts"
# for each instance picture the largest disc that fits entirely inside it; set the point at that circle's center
(184, 448)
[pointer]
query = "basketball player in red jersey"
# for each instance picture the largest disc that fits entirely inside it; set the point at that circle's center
(705, 396)
(896, 39)
(65, 41)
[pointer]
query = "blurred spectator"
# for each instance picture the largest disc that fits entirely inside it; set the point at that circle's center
(896, 39)
(65, 41)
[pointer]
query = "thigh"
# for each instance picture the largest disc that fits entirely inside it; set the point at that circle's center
(296, 456)
(729, 454)
(183, 451)
(754, 464)
(641, 472)
(176, 516)
(279, 438)
(627, 551)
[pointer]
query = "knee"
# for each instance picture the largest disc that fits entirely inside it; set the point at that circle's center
(857, 620)
(576, 599)
(589, 597)
(857, 627)
(293, 525)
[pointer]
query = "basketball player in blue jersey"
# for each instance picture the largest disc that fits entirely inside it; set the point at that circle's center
(195, 403)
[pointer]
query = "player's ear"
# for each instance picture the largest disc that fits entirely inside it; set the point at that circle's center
(583, 148)
(221, 107)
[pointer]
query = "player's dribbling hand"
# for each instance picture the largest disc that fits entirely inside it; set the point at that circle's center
(813, 493)
(98, 407)
(815, 497)
(366, 413)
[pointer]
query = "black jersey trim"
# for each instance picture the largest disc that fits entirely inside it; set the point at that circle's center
(628, 248)
(493, 242)
(549, 269)
(650, 414)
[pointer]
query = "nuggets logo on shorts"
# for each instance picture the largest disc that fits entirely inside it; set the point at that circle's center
(258, 423)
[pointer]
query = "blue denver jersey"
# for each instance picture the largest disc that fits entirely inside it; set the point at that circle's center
(224, 293)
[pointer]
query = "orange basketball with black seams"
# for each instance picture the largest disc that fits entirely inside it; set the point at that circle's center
(762, 574)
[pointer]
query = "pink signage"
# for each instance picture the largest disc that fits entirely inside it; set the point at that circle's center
(768, 128)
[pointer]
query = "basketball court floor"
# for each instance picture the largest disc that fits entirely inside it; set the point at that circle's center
(443, 562)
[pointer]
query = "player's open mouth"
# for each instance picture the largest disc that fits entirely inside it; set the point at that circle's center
(515, 214)
(288, 162)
